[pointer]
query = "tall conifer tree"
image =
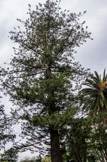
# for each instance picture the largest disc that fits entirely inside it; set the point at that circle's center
(39, 78)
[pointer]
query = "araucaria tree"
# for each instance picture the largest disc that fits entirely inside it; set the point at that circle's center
(39, 78)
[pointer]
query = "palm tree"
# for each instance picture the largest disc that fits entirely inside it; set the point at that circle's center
(94, 94)
(94, 100)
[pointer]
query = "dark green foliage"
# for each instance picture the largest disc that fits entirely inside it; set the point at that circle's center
(9, 155)
(77, 138)
(85, 141)
(41, 74)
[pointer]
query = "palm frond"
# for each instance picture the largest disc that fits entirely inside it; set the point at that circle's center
(95, 92)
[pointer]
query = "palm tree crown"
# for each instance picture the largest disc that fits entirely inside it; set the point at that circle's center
(95, 93)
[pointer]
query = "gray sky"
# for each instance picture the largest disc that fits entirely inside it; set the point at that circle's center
(91, 55)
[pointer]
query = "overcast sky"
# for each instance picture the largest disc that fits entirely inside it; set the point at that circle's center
(91, 55)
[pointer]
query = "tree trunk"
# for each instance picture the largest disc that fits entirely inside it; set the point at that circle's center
(55, 146)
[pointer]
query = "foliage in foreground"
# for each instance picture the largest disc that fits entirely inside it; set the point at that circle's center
(86, 141)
